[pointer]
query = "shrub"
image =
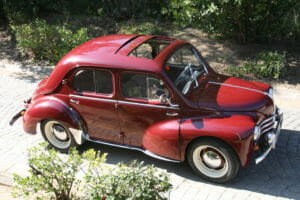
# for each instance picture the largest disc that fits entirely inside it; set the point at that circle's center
(47, 42)
(50, 176)
(146, 27)
(267, 64)
(85, 176)
(244, 20)
(133, 181)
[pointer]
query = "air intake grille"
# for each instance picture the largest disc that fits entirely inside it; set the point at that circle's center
(267, 124)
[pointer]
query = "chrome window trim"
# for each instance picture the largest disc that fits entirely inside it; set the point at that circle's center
(147, 105)
(93, 98)
(122, 102)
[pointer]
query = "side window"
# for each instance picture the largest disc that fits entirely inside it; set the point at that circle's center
(93, 81)
(103, 80)
(141, 86)
(84, 81)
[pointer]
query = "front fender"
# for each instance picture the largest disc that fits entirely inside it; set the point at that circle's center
(236, 130)
(49, 107)
(162, 139)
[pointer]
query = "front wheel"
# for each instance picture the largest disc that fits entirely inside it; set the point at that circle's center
(213, 160)
(57, 135)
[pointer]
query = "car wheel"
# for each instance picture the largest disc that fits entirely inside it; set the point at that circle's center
(213, 160)
(57, 135)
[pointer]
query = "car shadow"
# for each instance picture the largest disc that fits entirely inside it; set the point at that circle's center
(277, 175)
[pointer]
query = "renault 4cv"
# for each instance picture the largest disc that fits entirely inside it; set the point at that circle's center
(159, 96)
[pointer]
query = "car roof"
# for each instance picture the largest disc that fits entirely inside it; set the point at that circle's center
(111, 51)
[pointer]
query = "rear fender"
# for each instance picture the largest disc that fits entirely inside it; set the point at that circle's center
(235, 130)
(49, 107)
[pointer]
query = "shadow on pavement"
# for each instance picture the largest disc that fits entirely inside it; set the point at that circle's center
(277, 175)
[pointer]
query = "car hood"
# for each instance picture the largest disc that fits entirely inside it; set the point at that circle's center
(231, 94)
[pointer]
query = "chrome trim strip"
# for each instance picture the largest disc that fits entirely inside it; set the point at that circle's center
(86, 137)
(93, 98)
(147, 105)
(263, 156)
(266, 125)
(275, 137)
(267, 120)
(267, 129)
(229, 85)
(123, 102)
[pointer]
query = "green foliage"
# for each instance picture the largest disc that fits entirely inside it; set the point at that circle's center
(133, 181)
(47, 42)
(51, 177)
(244, 20)
(126, 9)
(267, 64)
(86, 176)
(148, 28)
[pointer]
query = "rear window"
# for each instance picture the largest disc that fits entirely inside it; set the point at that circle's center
(93, 81)
(150, 48)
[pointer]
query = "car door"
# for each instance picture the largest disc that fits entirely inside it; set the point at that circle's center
(140, 109)
(94, 98)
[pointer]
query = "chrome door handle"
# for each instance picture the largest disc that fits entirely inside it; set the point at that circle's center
(74, 101)
(171, 114)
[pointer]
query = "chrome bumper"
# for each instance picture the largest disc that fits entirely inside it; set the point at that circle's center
(272, 136)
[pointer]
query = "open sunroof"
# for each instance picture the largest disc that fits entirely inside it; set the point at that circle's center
(150, 48)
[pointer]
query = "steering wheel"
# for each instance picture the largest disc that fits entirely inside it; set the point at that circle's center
(183, 75)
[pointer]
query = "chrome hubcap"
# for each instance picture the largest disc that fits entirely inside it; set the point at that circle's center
(59, 132)
(210, 161)
(57, 135)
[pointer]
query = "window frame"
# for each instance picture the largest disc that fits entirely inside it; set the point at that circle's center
(139, 100)
(166, 41)
(81, 68)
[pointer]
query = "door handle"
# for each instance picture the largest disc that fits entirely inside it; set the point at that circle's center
(74, 101)
(172, 114)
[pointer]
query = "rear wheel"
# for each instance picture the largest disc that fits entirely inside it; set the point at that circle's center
(57, 135)
(213, 160)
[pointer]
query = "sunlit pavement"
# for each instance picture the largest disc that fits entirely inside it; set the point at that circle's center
(277, 177)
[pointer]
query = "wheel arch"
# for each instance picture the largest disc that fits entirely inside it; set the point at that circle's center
(235, 130)
(209, 138)
(49, 107)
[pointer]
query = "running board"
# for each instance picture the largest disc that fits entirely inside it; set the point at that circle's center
(149, 153)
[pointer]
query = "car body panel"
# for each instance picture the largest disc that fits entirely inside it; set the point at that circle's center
(221, 107)
(233, 128)
(50, 107)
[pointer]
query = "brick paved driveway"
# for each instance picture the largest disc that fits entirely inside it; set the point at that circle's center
(278, 177)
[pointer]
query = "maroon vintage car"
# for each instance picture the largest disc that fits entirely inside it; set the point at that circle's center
(159, 96)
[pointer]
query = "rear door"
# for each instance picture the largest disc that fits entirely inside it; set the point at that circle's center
(93, 97)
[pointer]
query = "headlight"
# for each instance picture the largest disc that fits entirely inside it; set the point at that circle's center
(256, 132)
(270, 93)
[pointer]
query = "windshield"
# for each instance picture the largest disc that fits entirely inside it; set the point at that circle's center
(184, 67)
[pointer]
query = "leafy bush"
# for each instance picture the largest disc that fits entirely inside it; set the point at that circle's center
(126, 9)
(267, 64)
(133, 181)
(50, 176)
(86, 176)
(244, 20)
(47, 42)
(148, 28)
